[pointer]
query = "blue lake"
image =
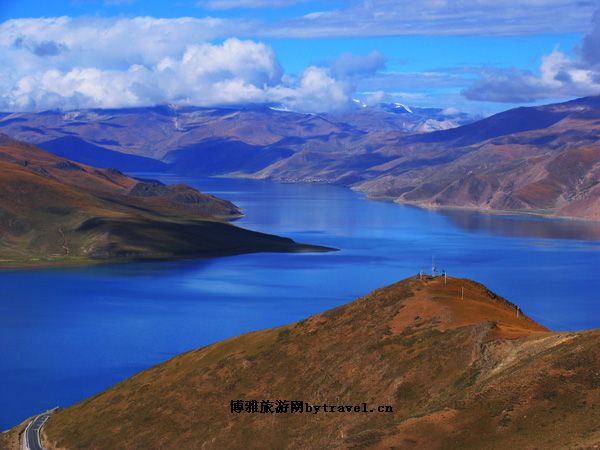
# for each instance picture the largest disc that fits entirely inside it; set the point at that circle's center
(66, 334)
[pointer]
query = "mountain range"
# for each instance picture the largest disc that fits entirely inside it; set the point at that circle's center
(455, 366)
(56, 211)
(541, 160)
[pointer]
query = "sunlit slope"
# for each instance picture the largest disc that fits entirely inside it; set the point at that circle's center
(461, 371)
(55, 211)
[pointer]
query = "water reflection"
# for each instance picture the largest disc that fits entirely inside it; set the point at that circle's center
(523, 226)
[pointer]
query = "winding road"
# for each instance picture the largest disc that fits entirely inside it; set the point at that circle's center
(31, 435)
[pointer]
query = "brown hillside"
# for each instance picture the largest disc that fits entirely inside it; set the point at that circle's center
(535, 160)
(53, 210)
(458, 373)
(543, 159)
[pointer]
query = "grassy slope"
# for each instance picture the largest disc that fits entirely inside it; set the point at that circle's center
(460, 374)
(55, 211)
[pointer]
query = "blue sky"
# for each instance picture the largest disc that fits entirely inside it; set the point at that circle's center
(479, 56)
(28, 8)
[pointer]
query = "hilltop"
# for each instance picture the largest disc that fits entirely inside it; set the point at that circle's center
(459, 371)
(56, 211)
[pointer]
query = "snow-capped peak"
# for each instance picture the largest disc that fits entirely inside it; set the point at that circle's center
(280, 108)
(402, 106)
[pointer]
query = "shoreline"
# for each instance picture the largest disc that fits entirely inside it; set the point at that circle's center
(499, 212)
(7, 265)
(427, 206)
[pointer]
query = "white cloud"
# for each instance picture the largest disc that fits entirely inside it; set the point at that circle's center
(559, 76)
(314, 87)
(76, 63)
(111, 62)
(116, 41)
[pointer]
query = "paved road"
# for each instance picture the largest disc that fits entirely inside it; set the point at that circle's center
(31, 436)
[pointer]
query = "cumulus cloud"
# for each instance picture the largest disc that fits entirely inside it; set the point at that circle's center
(79, 63)
(115, 41)
(559, 76)
(314, 87)
(65, 62)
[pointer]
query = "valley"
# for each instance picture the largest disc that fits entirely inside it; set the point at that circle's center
(534, 160)
(299, 224)
(115, 320)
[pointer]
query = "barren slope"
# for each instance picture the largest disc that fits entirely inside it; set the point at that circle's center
(542, 159)
(459, 374)
(55, 211)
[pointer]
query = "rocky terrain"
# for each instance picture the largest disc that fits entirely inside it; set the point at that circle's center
(540, 160)
(460, 368)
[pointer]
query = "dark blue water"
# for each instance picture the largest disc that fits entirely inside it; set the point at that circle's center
(67, 334)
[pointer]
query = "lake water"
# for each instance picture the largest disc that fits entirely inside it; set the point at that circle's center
(66, 334)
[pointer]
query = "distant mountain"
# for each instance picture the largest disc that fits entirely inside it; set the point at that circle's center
(459, 367)
(154, 132)
(78, 150)
(401, 118)
(540, 159)
(210, 140)
(55, 211)
(536, 160)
